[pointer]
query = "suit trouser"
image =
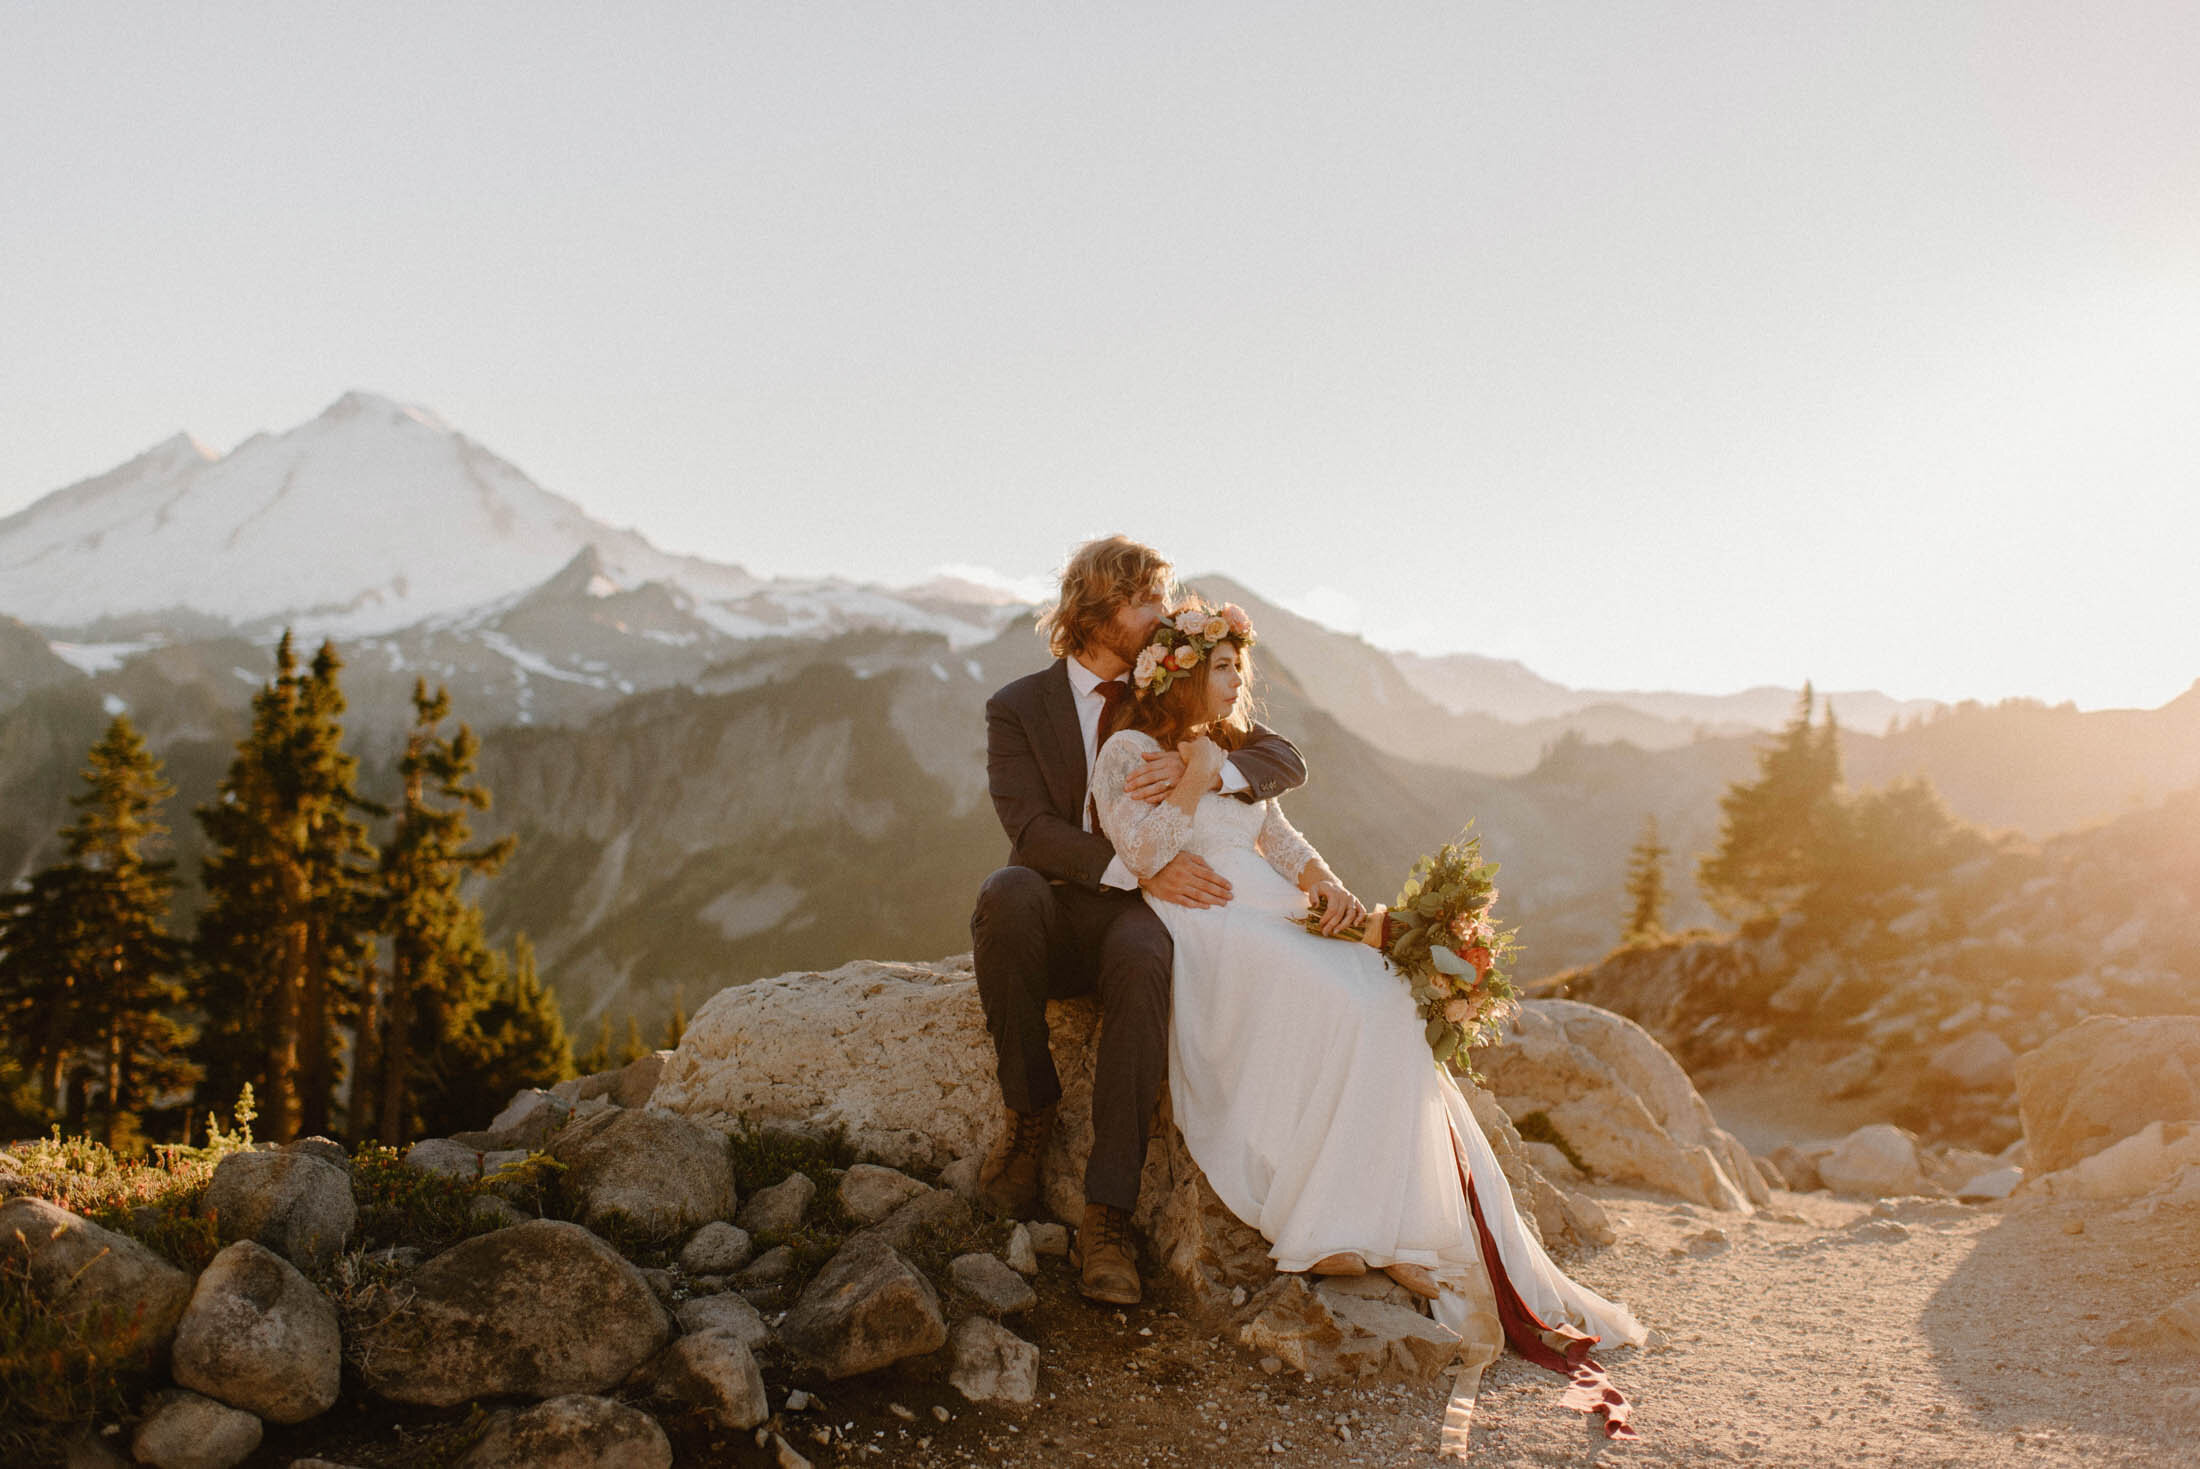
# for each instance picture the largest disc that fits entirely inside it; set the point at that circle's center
(1033, 941)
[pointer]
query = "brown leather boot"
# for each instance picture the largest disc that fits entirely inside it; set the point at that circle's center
(1107, 1256)
(1008, 1181)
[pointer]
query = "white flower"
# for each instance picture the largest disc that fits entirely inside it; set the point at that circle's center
(1191, 621)
(1149, 659)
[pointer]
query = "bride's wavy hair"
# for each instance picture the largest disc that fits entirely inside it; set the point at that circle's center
(1172, 715)
(1100, 577)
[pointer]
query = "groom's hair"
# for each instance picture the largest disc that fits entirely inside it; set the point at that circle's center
(1100, 577)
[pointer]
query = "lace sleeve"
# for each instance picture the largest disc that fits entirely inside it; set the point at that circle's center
(1144, 836)
(1281, 844)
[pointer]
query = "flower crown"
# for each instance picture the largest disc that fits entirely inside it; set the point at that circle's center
(1184, 638)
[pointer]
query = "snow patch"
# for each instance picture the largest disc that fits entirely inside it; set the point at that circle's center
(534, 662)
(744, 912)
(98, 657)
(114, 704)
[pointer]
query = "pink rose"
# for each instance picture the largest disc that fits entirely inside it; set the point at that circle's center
(1235, 615)
(1459, 1011)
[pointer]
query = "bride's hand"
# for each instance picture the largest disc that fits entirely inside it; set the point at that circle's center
(1339, 908)
(1202, 761)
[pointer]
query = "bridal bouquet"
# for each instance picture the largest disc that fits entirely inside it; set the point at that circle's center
(1440, 938)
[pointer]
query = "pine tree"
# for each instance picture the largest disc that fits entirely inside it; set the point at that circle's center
(1646, 884)
(1773, 829)
(88, 970)
(597, 1057)
(676, 1027)
(287, 921)
(440, 970)
(635, 1047)
(510, 1036)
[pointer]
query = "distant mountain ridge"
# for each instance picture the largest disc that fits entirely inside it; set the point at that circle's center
(371, 517)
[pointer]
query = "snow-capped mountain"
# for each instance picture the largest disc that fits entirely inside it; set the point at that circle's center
(371, 517)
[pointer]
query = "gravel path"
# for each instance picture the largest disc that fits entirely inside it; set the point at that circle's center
(1821, 1332)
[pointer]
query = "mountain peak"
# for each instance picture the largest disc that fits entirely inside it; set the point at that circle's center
(360, 404)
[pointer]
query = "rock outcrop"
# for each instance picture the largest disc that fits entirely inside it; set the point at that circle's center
(897, 1056)
(2104, 1080)
(1623, 1105)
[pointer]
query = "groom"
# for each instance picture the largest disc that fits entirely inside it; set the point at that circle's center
(1065, 917)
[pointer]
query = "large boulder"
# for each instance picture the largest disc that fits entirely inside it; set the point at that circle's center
(897, 1057)
(2105, 1079)
(647, 1173)
(536, 1310)
(529, 1119)
(297, 1204)
(125, 1299)
(1623, 1104)
(867, 1308)
(638, 1079)
(261, 1337)
(2157, 1155)
(571, 1431)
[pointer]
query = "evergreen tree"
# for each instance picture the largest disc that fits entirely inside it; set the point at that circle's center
(635, 1047)
(598, 1056)
(1646, 884)
(88, 971)
(1774, 829)
(441, 971)
(676, 1027)
(511, 1036)
(287, 922)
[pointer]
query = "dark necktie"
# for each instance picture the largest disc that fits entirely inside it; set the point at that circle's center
(1111, 694)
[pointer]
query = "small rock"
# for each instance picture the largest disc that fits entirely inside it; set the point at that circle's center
(868, 1307)
(1049, 1238)
(962, 1175)
(799, 1401)
(574, 1431)
(992, 1284)
(940, 1211)
(445, 1156)
(496, 1210)
(1021, 1257)
(770, 1268)
(529, 1118)
(1707, 1242)
(327, 1149)
(638, 1079)
(728, 1313)
(1271, 1365)
(905, 1414)
(1874, 1162)
(297, 1204)
(260, 1336)
(779, 1209)
(869, 1192)
(993, 1364)
(1798, 1167)
(2175, 1330)
(648, 1173)
(2073, 1226)
(663, 1282)
(713, 1370)
(718, 1248)
(784, 1455)
(1998, 1184)
(1879, 1229)
(941, 1413)
(186, 1431)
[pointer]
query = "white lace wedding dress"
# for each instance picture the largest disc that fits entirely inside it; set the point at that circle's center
(1303, 1085)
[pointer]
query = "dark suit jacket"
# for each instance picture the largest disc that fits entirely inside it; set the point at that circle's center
(1035, 767)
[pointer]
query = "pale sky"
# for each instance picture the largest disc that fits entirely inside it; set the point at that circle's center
(1657, 345)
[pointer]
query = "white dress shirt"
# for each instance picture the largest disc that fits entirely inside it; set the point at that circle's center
(1085, 685)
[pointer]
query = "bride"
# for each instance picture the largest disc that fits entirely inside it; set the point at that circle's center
(1298, 1071)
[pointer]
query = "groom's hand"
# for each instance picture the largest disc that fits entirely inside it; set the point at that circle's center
(1188, 882)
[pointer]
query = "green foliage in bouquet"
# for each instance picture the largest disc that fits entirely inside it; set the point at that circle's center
(1441, 939)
